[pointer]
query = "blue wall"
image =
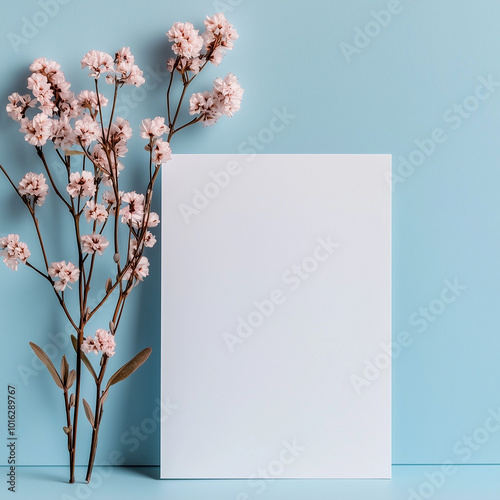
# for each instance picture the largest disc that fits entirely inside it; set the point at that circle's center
(423, 85)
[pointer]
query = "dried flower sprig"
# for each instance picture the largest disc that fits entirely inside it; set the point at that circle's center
(77, 128)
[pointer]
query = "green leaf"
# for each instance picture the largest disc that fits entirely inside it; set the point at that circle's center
(88, 412)
(128, 368)
(64, 370)
(85, 360)
(48, 363)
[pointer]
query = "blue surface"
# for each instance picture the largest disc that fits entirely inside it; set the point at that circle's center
(130, 483)
(398, 90)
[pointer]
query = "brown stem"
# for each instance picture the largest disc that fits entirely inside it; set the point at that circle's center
(53, 184)
(192, 122)
(97, 418)
(70, 447)
(77, 402)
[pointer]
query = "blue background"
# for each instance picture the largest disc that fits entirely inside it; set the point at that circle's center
(382, 98)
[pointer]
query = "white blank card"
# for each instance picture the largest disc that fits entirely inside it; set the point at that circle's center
(276, 292)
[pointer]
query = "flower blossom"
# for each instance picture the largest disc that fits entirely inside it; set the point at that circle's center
(102, 342)
(95, 211)
(207, 105)
(119, 133)
(127, 73)
(65, 274)
(34, 185)
(18, 105)
(138, 270)
(133, 213)
(109, 198)
(154, 128)
(81, 184)
(101, 160)
(87, 130)
(13, 251)
(88, 99)
(184, 64)
(63, 135)
(187, 41)
(161, 152)
(41, 88)
(98, 62)
(92, 243)
(229, 93)
(38, 130)
(149, 240)
(46, 67)
(218, 35)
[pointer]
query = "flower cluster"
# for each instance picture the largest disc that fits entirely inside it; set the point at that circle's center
(110, 221)
(224, 99)
(218, 37)
(153, 130)
(13, 251)
(34, 187)
(226, 94)
(63, 274)
(103, 342)
(58, 105)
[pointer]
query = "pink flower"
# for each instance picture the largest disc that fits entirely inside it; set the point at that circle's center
(95, 211)
(63, 136)
(45, 67)
(38, 131)
(92, 243)
(171, 64)
(81, 184)
(207, 105)
(87, 130)
(219, 33)
(216, 56)
(42, 90)
(106, 341)
(184, 64)
(13, 251)
(153, 220)
(90, 345)
(68, 108)
(187, 42)
(149, 240)
(89, 100)
(120, 130)
(153, 128)
(98, 62)
(229, 93)
(128, 72)
(138, 270)
(133, 213)
(161, 152)
(124, 61)
(109, 198)
(103, 342)
(18, 105)
(65, 273)
(34, 185)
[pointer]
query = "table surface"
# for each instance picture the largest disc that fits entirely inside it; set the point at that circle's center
(422, 482)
